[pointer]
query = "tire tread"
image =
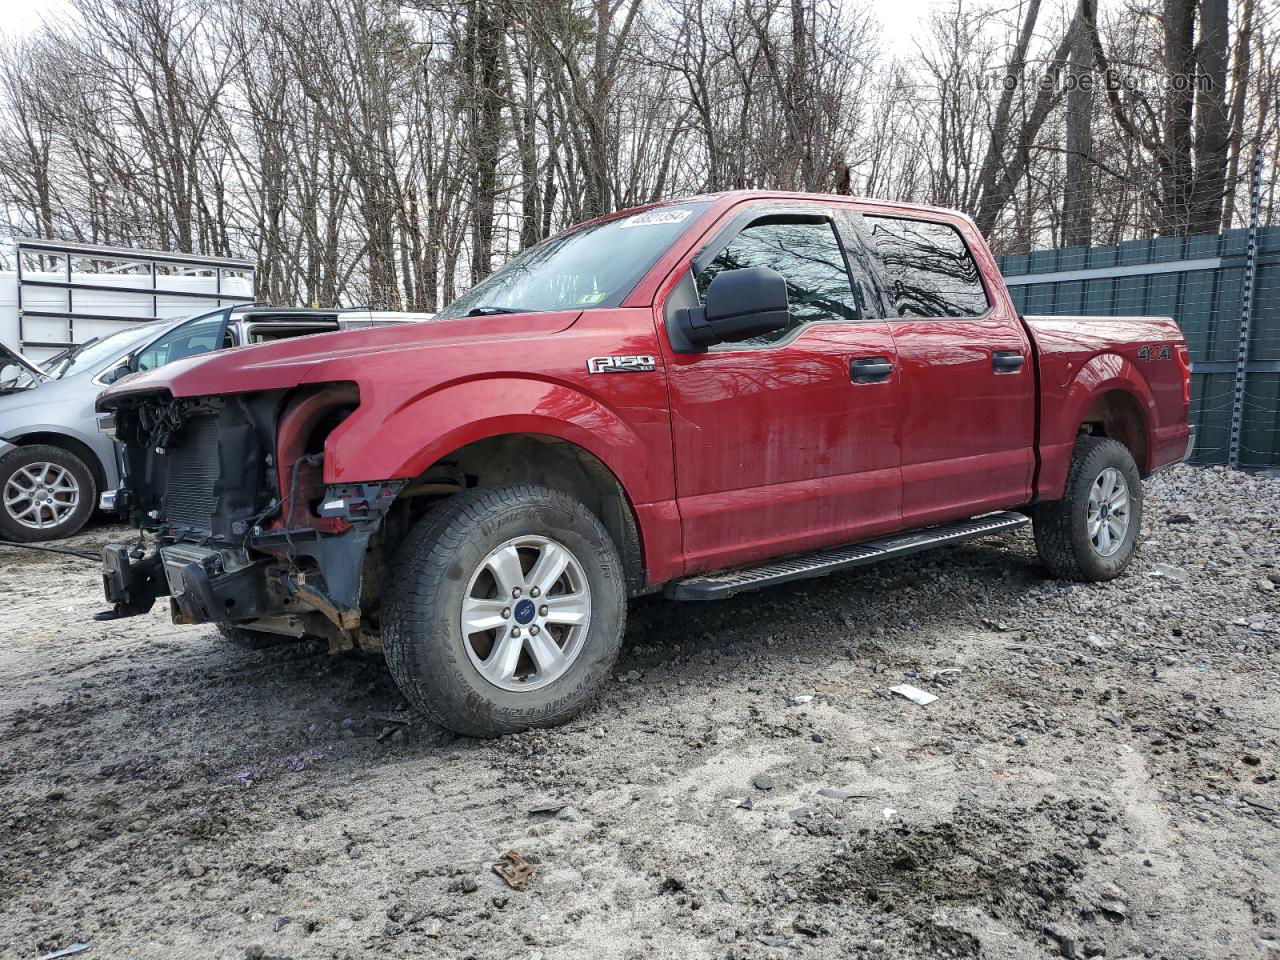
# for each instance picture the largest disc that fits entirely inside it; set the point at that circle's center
(422, 563)
(11, 530)
(1052, 520)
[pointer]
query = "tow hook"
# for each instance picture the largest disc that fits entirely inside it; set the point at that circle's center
(131, 582)
(129, 608)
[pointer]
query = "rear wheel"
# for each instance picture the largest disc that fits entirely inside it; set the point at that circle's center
(1092, 533)
(45, 493)
(508, 610)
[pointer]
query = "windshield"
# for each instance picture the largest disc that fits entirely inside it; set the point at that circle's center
(90, 355)
(594, 266)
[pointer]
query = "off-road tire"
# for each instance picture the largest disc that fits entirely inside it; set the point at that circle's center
(25, 455)
(421, 622)
(1061, 526)
(253, 639)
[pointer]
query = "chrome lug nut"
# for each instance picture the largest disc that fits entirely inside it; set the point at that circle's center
(515, 631)
(534, 592)
(506, 613)
(534, 630)
(543, 610)
(515, 593)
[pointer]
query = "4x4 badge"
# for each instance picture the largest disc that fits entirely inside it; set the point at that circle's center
(639, 364)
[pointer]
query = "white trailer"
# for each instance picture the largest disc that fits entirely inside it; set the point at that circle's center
(62, 294)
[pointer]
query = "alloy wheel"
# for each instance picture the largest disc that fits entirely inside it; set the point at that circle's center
(41, 496)
(526, 613)
(1108, 511)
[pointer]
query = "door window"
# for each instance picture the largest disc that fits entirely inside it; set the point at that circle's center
(870, 285)
(931, 272)
(808, 256)
(195, 337)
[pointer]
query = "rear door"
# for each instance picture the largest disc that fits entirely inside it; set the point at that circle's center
(789, 441)
(968, 388)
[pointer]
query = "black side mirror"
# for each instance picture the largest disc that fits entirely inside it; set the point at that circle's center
(121, 370)
(741, 304)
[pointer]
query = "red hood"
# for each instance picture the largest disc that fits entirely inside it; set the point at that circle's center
(324, 357)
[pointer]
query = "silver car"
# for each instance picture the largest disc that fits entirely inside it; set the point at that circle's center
(54, 461)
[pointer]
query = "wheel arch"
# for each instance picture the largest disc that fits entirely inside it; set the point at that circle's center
(1108, 396)
(545, 460)
(1117, 414)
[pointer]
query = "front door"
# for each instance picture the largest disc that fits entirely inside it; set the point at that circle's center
(790, 441)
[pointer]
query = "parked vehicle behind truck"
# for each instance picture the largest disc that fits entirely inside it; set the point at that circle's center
(703, 396)
(55, 465)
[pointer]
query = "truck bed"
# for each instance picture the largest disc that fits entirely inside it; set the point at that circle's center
(1093, 368)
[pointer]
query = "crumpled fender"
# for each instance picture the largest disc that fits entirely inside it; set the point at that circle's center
(402, 443)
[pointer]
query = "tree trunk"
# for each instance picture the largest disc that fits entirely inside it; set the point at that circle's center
(1213, 120)
(1179, 66)
(485, 35)
(1077, 201)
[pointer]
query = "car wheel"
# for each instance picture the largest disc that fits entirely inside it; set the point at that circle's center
(507, 612)
(1091, 534)
(45, 493)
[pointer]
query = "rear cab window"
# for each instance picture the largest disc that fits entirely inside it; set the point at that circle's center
(928, 268)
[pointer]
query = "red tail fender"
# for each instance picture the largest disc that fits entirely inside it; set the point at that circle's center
(1066, 404)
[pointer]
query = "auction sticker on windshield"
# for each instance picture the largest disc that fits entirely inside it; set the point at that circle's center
(652, 218)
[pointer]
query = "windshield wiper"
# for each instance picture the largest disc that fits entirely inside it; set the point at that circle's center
(493, 311)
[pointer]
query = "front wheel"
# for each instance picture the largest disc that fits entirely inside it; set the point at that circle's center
(507, 611)
(1092, 532)
(46, 492)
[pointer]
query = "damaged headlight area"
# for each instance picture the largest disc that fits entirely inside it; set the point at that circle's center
(246, 531)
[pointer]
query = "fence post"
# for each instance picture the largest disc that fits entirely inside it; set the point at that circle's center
(1246, 311)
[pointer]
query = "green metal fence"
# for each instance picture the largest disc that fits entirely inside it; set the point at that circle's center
(1202, 281)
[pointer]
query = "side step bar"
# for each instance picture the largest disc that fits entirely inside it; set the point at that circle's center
(717, 586)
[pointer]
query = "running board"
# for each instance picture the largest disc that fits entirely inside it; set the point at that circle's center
(725, 583)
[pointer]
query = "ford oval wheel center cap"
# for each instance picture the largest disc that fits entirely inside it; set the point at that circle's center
(524, 612)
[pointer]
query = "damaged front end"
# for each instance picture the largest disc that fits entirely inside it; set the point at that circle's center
(246, 532)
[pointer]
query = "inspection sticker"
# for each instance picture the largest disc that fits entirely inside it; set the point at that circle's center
(652, 218)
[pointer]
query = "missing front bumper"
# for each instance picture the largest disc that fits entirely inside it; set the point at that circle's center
(131, 583)
(203, 586)
(207, 587)
(231, 585)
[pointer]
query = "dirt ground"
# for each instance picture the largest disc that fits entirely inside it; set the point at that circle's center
(1097, 777)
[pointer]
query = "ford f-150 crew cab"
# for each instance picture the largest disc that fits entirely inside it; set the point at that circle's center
(702, 396)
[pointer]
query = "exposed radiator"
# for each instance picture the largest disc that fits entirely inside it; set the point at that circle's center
(190, 496)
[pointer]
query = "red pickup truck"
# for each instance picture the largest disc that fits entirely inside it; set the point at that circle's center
(703, 396)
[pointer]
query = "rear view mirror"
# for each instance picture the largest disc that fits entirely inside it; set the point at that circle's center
(740, 304)
(123, 369)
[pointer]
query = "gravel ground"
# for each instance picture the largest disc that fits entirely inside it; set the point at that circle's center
(1095, 779)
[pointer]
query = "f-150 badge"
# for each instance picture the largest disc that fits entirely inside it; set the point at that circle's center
(621, 365)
